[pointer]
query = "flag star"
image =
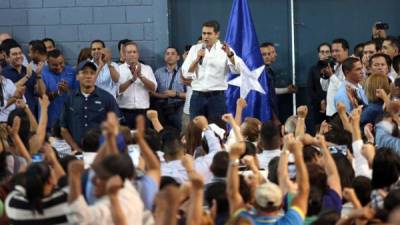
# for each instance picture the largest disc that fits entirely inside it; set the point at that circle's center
(248, 80)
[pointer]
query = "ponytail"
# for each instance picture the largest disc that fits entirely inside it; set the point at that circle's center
(36, 177)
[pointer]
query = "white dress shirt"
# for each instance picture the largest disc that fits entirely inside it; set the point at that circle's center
(266, 156)
(8, 91)
(100, 213)
(360, 163)
(175, 170)
(392, 74)
(136, 96)
(211, 75)
(335, 82)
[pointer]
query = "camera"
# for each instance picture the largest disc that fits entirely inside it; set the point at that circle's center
(382, 26)
(322, 65)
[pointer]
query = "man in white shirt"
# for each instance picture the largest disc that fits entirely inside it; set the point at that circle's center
(136, 81)
(207, 64)
(107, 71)
(9, 94)
(340, 52)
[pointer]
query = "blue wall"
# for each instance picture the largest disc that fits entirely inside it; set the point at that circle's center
(74, 23)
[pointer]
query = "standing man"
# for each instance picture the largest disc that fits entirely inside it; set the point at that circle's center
(351, 93)
(269, 55)
(391, 47)
(86, 107)
(340, 52)
(59, 80)
(318, 74)
(136, 81)
(368, 51)
(17, 73)
(170, 92)
(208, 64)
(107, 71)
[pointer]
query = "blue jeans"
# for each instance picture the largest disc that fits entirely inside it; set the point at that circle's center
(209, 104)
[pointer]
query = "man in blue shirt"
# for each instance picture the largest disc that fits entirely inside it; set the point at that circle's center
(59, 79)
(86, 107)
(17, 73)
(107, 71)
(170, 95)
(351, 93)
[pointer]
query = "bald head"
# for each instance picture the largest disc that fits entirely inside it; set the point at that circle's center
(4, 36)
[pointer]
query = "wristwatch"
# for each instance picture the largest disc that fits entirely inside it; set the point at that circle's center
(234, 162)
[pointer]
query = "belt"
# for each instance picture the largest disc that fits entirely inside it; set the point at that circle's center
(208, 93)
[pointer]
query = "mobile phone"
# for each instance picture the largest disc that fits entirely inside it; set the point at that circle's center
(79, 155)
(292, 170)
(38, 157)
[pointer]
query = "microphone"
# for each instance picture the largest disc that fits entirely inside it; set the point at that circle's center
(203, 47)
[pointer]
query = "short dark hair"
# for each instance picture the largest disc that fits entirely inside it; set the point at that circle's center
(323, 44)
(122, 42)
(270, 135)
(385, 168)
(56, 129)
(219, 164)
(362, 187)
(38, 46)
(212, 23)
(7, 44)
(348, 64)
(377, 55)
(267, 44)
(393, 41)
(371, 43)
(98, 41)
(172, 47)
(91, 140)
(50, 40)
(54, 53)
(356, 52)
(343, 42)
(396, 64)
(217, 191)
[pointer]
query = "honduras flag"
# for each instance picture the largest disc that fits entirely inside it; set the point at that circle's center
(241, 36)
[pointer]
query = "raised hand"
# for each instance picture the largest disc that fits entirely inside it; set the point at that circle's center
(302, 111)
(152, 114)
(44, 101)
(241, 102)
(201, 122)
(76, 167)
(341, 108)
(140, 127)
(228, 118)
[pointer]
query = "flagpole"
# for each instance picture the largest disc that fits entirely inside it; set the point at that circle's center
(293, 52)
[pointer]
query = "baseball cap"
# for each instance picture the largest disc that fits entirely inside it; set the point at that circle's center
(268, 195)
(86, 63)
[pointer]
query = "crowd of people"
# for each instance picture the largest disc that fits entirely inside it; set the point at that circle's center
(105, 142)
